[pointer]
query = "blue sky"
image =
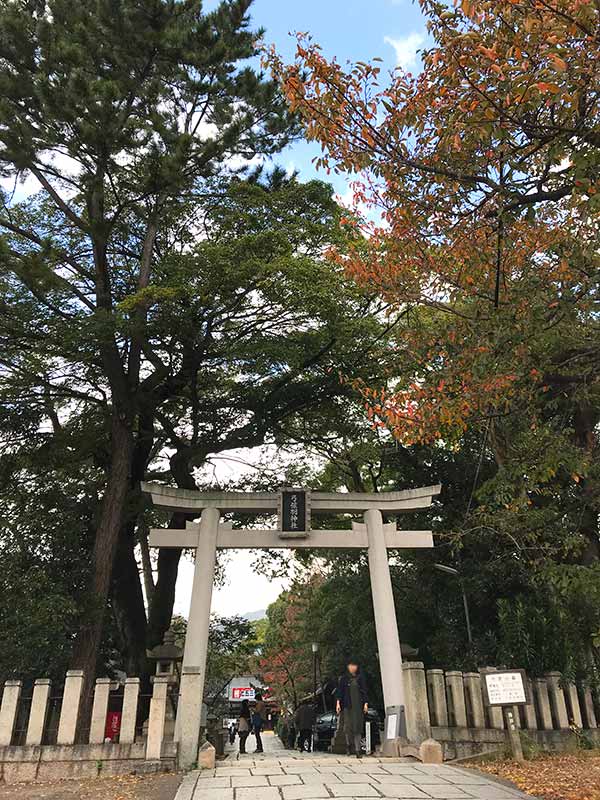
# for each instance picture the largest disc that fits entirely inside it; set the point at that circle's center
(356, 30)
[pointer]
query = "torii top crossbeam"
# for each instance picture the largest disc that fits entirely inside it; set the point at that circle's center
(173, 499)
(294, 507)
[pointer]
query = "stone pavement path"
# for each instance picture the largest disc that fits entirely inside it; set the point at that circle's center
(282, 775)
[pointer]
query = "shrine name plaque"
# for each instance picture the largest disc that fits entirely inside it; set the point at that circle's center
(294, 513)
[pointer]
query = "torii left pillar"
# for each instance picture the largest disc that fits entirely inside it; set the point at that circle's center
(189, 713)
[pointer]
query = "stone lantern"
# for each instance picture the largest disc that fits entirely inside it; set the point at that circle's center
(167, 657)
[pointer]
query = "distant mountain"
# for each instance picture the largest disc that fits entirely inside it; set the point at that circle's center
(252, 616)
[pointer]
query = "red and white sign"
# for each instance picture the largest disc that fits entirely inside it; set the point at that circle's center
(243, 693)
(113, 725)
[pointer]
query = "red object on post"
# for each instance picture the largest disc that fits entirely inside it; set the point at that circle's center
(113, 725)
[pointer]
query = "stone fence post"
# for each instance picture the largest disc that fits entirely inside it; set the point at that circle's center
(417, 707)
(588, 707)
(129, 713)
(472, 683)
(156, 720)
(456, 695)
(557, 699)
(543, 704)
(69, 712)
(573, 698)
(436, 685)
(8, 710)
(99, 709)
(39, 710)
(529, 709)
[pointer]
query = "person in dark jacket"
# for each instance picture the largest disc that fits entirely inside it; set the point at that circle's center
(258, 720)
(305, 721)
(353, 704)
(244, 725)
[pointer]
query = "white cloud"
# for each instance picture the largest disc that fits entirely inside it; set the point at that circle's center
(406, 48)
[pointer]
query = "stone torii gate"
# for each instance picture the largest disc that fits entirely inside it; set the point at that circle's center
(295, 508)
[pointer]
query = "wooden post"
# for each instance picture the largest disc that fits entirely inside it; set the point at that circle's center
(512, 734)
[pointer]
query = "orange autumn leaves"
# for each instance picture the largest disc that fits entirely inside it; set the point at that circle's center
(478, 176)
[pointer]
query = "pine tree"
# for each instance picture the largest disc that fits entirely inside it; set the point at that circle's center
(119, 108)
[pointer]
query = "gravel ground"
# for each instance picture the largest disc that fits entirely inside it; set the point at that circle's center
(127, 787)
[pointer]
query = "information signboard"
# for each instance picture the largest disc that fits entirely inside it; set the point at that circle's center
(506, 688)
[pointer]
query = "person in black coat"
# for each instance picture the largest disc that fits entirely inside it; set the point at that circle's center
(352, 700)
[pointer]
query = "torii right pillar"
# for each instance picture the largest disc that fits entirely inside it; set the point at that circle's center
(386, 626)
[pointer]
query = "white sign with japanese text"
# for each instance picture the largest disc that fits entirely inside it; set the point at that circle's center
(505, 688)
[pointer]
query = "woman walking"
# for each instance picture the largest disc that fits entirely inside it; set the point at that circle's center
(352, 700)
(244, 725)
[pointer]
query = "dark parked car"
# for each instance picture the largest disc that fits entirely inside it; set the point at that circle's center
(326, 727)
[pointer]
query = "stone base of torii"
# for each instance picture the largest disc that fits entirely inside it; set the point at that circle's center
(294, 507)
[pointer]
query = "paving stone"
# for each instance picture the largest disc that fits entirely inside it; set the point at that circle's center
(428, 780)
(304, 792)
(371, 769)
(356, 778)
(204, 773)
(301, 769)
(284, 780)
(336, 769)
(354, 790)
(265, 769)
(312, 779)
(216, 783)
(448, 791)
(212, 794)
(400, 769)
(251, 794)
(250, 780)
(389, 779)
(232, 772)
(187, 786)
(403, 791)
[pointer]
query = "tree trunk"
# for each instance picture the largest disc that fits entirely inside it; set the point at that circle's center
(87, 643)
(127, 595)
(585, 424)
(128, 607)
(163, 596)
(163, 599)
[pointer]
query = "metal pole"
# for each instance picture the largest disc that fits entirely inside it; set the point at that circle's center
(467, 615)
(321, 686)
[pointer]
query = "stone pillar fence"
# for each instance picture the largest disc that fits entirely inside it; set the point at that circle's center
(49, 718)
(39, 723)
(440, 701)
